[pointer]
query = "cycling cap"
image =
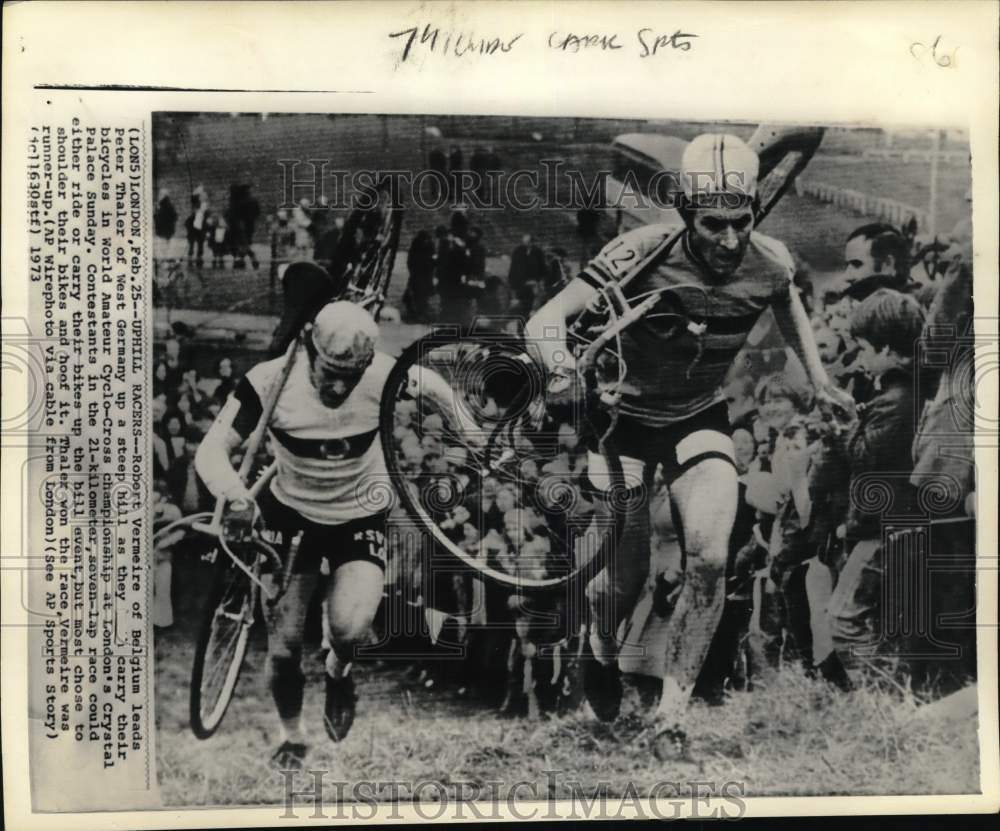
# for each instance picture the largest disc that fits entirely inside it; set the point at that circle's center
(344, 336)
(718, 164)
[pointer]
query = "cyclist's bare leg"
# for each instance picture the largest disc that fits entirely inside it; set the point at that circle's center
(614, 592)
(285, 624)
(706, 498)
(352, 600)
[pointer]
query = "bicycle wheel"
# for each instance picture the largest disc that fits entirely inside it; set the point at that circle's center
(222, 644)
(513, 498)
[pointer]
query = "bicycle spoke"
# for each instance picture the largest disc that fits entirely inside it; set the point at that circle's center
(220, 669)
(511, 504)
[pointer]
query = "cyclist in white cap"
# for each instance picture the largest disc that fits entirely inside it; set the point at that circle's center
(723, 275)
(331, 485)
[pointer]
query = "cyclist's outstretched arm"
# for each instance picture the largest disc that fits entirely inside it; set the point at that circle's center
(547, 327)
(212, 461)
(796, 329)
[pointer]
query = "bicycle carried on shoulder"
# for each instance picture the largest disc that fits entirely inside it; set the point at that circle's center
(498, 381)
(248, 571)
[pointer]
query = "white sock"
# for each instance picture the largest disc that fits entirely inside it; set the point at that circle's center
(336, 668)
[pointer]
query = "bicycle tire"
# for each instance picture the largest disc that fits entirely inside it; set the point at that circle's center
(230, 588)
(398, 380)
(369, 285)
(387, 255)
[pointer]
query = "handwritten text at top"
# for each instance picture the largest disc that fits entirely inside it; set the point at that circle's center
(433, 40)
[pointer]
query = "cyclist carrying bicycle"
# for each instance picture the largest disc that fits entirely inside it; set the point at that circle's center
(330, 487)
(718, 276)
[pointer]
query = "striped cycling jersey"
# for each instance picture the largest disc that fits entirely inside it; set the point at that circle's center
(330, 464)
(672, 377)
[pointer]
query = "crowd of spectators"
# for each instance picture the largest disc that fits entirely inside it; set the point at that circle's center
(449, 279)
(833, 510)
(227, 232)
(523, 521)
(825, 503)
(183, 408)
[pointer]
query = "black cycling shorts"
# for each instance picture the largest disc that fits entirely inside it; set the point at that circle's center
(678, 446)
(356, 539)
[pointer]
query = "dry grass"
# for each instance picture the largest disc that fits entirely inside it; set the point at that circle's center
(790, 736)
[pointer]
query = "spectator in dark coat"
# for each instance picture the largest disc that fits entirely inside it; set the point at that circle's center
(244, 210)
(453, 269)
(557, 273)
(420, 264)
(165, 218)
(326, 245)
(944, 462)
(459, 224)
(477, 258)
(588, 226)
(527, 272)
(887, 325)
(442, 247)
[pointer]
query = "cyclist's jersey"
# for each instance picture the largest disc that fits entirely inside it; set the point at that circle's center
(330, 464)
(672, 378)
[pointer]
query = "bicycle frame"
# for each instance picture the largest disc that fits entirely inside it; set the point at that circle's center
(371, 296)
(213, 528)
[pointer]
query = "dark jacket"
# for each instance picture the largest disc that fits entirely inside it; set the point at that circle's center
(879, 454)
(527, 264)
(477, 260)
(947, 419)
(453, 266)
(165, 219)
(829, 477)
(420, 259)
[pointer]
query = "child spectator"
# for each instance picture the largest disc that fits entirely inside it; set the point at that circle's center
(887, 326)
(217, 232)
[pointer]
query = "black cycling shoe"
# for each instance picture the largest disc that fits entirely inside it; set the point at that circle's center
(290, 756)
(338, 715)
(602, 684)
